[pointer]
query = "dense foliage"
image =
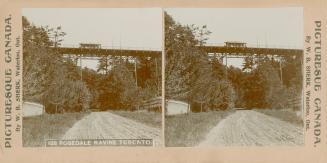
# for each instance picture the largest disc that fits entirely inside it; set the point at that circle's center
(204, 82)
(47, 78)
(61, 86)
(189, 75)
(270, 83)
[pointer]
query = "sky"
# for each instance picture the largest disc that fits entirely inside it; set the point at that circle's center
(258, 27)
(132, 28)
(139, 28)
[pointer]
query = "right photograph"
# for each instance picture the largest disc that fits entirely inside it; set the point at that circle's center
(233, 77)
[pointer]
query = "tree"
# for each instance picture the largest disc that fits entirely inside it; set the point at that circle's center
(47, 77)
(182, 57)
(190, 76)
(104, 64)
(37, 60)
(237, 77)
(263, 88)
(249, 63)
(180, 47)
(115, 89)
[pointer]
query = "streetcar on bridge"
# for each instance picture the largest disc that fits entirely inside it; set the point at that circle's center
(235, 44)
(90, 46)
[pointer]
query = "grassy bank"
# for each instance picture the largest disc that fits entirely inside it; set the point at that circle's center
(285, 115)
(190, 129)
(47, 126)
(152, 119)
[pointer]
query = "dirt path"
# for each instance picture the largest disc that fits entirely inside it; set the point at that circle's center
(105, 125)
(251, 128)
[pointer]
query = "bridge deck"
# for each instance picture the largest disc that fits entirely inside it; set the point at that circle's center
(251, 51)
(89, 52)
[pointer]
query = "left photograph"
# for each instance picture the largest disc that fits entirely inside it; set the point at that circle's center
(92, 77)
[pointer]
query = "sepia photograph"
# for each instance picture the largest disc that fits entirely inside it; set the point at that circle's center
(92, 77)
(163, 81)
(233, 77)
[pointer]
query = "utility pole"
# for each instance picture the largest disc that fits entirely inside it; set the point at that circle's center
(80, 59)
(135, 70)
(106, 65)
(226, 66)
(280, 69)
(157, 77)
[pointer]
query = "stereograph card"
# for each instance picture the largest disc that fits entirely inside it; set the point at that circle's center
(163, 81)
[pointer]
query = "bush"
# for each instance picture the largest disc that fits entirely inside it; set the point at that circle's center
(222, 96)
(264, 89)
(68, 96)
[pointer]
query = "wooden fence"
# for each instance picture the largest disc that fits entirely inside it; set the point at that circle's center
(295, 103)
(153, 104)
